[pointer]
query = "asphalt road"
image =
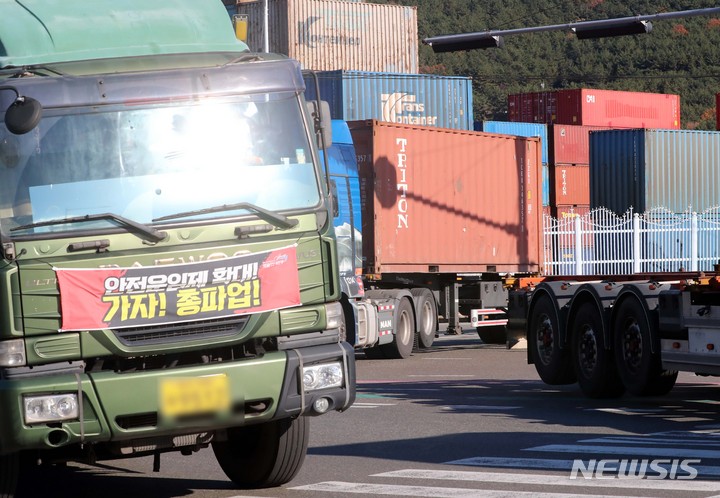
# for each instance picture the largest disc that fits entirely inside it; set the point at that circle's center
(462, 419)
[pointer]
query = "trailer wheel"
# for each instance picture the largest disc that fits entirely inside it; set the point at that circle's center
(404, 337)
(264, 455)
(9, 472)
(640, 369)
(594, 364)
(427, 316)
(552, 363)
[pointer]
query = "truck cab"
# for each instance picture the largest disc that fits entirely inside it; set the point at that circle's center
(168, 274)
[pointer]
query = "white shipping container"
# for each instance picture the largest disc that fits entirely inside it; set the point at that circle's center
(326, 35)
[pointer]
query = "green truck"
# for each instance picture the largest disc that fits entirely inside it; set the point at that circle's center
(169, 278)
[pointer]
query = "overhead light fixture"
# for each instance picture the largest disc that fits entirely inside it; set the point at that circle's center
(608, 29)
(456, 43)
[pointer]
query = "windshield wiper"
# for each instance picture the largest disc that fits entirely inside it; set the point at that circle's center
(150, 233)
(276, 219)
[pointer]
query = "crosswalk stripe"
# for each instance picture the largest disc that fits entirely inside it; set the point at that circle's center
(653, 440)
(554, 480)
(647, 452)
(550, 464)
(478, 407)
(428, 491)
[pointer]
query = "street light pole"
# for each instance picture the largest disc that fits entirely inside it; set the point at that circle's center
(583, 29)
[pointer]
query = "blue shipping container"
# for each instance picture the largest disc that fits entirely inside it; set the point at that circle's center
(520, 130)
(524, 130)
(415, 99)
(675, 169)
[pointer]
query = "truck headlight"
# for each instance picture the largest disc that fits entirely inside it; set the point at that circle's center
(333, 315)
(12, 353)
(322, 376)
(50, 408)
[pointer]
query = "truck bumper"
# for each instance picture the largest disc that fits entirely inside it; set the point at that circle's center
(117, 407)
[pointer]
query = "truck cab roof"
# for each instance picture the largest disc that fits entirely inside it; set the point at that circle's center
(38, 32)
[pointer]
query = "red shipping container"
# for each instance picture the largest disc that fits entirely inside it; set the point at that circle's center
(448, 201)
(570, 184)
(532, 107)
(581, 106)
(570, 144)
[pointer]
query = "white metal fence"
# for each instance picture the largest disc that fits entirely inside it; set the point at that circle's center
(603, 243)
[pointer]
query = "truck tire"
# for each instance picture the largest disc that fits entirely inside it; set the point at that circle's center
(265, 455)
(426, 317)
(404, 337)
(639, 368)
(552, 363)
(9, 472)
(594, 365)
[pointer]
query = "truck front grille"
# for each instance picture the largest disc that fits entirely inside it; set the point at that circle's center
(180, 332)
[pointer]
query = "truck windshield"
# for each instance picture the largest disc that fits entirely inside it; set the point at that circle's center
(145, 162)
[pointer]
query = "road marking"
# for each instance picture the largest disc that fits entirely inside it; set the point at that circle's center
(515, 463)
(447, 358)
(442, 375)
(357, 404)
(675, 441)
(629, 411)
(554, 480)
(649, 452)
(478, 407)
(428, 491)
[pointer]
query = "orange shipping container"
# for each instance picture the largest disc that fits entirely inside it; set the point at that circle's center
(570, 184)
(448, 201)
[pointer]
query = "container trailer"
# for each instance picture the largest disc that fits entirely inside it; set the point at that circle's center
(632, 333)
(432, 221)
(167, 283)
(428, 234)
(615, 334)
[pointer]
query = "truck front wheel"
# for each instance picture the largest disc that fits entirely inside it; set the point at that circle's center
(265, 455)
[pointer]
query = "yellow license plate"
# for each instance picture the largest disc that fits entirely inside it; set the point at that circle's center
(193, 395)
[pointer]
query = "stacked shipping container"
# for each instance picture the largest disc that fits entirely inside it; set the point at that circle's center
(643, 169)
(571, 116)
(415, 99)
(367, 58)
(326, 35)
(608, 108)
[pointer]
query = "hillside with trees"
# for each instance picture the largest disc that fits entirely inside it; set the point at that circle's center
(679, 56)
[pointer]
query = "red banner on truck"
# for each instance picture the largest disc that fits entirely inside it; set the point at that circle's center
(93, 299)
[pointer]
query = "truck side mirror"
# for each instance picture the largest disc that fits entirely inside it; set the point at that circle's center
(320, 112)
(24, 113)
